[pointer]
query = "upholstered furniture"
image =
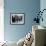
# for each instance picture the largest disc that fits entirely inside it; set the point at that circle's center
(39, 35)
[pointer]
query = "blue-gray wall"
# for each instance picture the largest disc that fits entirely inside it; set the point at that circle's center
(43, 6)
(29, 7)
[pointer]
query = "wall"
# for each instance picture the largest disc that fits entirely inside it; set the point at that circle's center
(29, 7)
(43, 6)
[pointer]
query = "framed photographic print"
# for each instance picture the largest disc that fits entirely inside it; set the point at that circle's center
(17, 18)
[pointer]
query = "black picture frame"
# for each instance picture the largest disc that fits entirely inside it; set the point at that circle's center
(17, 18)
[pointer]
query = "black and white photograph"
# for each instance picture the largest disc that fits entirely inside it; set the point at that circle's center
(17, 18)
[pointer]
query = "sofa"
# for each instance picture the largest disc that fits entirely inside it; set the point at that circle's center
(39, 33)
